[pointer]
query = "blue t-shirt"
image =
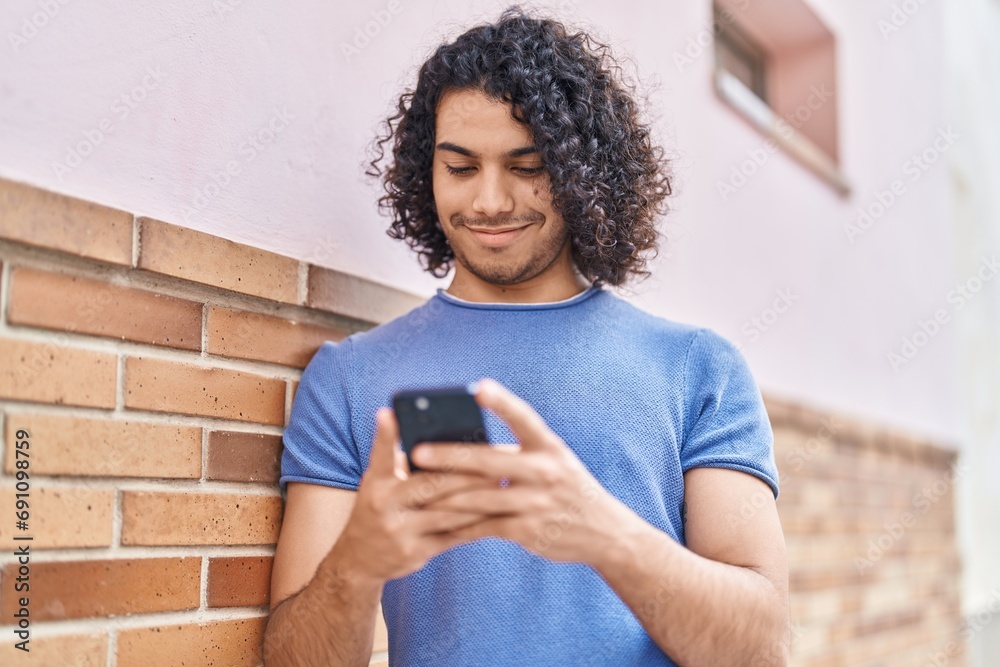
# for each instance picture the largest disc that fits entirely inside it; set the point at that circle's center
(638, 398)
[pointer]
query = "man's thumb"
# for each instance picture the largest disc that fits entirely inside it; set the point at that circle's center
(383, 456)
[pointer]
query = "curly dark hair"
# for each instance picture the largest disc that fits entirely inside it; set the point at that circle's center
(607, 180)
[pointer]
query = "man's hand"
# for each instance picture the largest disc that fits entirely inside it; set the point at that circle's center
(551, 504)
(391, 532)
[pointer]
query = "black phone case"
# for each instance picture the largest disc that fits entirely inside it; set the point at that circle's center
(450, 414)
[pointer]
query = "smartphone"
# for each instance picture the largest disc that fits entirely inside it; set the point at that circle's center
(444, 414)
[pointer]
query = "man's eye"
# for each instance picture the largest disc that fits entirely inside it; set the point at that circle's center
(529, 171)
(458, 171)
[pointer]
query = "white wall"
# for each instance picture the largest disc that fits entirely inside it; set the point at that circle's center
(974, 100)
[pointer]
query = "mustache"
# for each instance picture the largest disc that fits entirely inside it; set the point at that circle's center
(498, 222)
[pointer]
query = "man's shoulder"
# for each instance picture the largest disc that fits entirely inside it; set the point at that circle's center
(699, 344)
(659, 329)
(629, 320)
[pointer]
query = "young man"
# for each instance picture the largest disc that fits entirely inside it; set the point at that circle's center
(612, 532)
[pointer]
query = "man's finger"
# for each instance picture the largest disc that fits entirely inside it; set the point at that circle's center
(463, 458)
(494, 526)
(430, 522)
(488, 502)
(530, 429)
(401, 467)
(427, 487)
(383, 456)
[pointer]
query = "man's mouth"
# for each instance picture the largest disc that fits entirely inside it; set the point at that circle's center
(497, 238)
(496, 231)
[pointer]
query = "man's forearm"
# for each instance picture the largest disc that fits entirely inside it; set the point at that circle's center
(329, 622)
(699, 611)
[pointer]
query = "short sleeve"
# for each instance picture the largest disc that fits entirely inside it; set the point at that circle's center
(725, 422)
(319, 444)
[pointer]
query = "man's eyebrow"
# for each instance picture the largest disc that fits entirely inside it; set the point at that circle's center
(518, 152)
(455, 148)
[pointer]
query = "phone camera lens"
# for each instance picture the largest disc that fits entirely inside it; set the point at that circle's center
(422, 403)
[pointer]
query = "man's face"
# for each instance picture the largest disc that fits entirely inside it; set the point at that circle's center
(488, 178)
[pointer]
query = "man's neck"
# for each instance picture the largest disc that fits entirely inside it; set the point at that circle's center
(471, 288)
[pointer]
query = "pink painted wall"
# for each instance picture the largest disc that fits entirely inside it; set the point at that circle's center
(249, 121)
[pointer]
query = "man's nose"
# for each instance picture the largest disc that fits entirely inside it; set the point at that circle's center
(493, 197)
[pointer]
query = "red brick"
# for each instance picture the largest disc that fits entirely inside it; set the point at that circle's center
(155, 518)
(211, 260)
(58, 651)
(357, 297)
(83, 589)
(168, 386)
(235, 643)
(61, 517)
(240, 581)
(243, 457)
(42, 218)
(53, 373)
(236, 333)
(72, 303)
(106, 447)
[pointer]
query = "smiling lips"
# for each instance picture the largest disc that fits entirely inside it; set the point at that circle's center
(497, 239)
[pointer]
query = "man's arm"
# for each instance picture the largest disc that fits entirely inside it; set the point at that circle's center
(337, 548)
(322, 610)
(724, 599)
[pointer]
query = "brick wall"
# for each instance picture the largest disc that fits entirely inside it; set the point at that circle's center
(868, 517)
(153, 368)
